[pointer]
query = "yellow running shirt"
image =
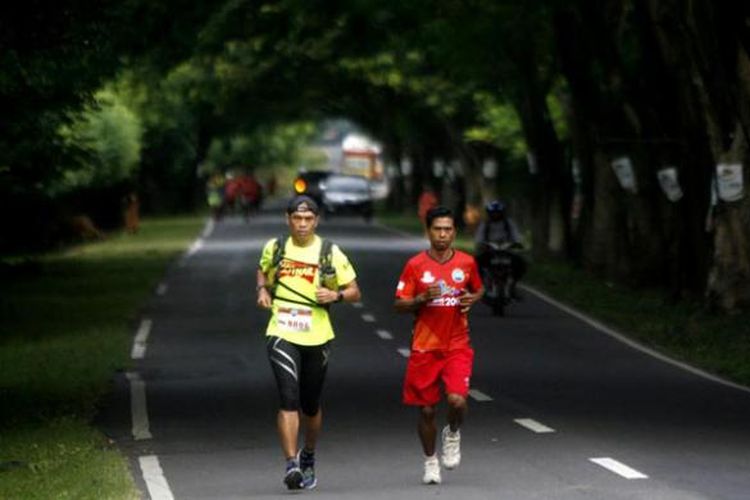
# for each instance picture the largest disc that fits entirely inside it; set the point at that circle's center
(303, 324)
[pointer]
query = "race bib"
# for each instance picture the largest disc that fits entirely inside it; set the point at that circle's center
(294, 319)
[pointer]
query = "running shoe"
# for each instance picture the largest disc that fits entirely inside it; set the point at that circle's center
(293, 475)
(307, 465)
(431, 470)
(451, 448)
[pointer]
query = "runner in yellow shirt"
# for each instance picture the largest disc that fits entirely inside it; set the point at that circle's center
(298, 278)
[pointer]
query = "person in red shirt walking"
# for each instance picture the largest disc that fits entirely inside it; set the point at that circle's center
(439, 286)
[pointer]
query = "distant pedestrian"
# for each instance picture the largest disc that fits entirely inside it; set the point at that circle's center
(298, 278)
(439, 286)
(427, 200)
(132, 213)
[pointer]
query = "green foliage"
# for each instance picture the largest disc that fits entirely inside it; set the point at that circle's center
(269, 148)
(499, 126)
(108, 134)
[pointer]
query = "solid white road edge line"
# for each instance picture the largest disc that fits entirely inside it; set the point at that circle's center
(139, 343)
(368, 318)
(358, 305)
(194, 248)
(533, 425)
(405, 352)
(138, 410)
(209, 229)
(478, 395)
(384, 334)
(633, 344)
(619, 468)
(153, 475)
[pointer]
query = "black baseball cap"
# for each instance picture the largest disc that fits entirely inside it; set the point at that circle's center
(302, 203)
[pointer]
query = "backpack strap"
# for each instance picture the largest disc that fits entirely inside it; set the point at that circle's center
(325, 260)
(278, 255)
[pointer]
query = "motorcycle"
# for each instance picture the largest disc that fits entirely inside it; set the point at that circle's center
(497, 276)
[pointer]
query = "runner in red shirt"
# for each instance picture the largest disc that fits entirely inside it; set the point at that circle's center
(439, 286)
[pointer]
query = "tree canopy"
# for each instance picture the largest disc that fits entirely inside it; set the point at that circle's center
(574, 95)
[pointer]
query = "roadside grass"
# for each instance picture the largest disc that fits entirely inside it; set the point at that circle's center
(67, 324)
(683, 330)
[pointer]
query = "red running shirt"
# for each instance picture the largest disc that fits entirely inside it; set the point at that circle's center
(439, 324)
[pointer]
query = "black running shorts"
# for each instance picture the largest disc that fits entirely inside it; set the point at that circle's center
(300, 372)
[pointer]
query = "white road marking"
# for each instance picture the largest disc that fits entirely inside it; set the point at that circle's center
(533, 425)
(404, 351)
(194, 248)
(153, 475)
(384, 334)
(369, 318)
(208, 229)
(631, 343)
(479, 395)
(138, 410)
(619, 468)
(358, 305)
(161, 289)
(139, 344)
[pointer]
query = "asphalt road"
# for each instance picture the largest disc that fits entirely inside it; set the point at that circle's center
(560, 409)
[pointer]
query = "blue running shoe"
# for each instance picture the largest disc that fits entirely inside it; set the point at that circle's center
(307, 465)
(293, 475)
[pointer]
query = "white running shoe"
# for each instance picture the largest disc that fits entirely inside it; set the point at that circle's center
(451, 448)
(431, 470)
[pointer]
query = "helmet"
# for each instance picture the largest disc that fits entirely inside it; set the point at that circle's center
(495, 207)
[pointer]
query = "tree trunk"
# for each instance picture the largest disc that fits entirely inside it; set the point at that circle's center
(695, 39)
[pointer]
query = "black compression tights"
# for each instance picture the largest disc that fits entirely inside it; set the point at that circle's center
(300, 372)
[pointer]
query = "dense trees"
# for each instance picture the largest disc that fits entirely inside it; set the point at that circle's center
(592, 102)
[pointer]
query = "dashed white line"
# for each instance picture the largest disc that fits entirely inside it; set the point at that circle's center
(619, 468)
(369, 318)
(533, 425)
(139, 344)
(384, 334)
(478, 395)
(153, 475)
(358, 305)
(404, 351)
(161, 289)
(138, 411)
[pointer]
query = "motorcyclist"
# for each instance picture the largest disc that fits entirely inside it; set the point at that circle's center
(499, 229)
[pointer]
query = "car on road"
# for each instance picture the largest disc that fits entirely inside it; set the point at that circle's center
(312, 184)
(347, 194)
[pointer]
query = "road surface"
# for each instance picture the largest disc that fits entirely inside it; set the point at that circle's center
(559, 409)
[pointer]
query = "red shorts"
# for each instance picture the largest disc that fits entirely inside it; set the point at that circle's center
(426, 370)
